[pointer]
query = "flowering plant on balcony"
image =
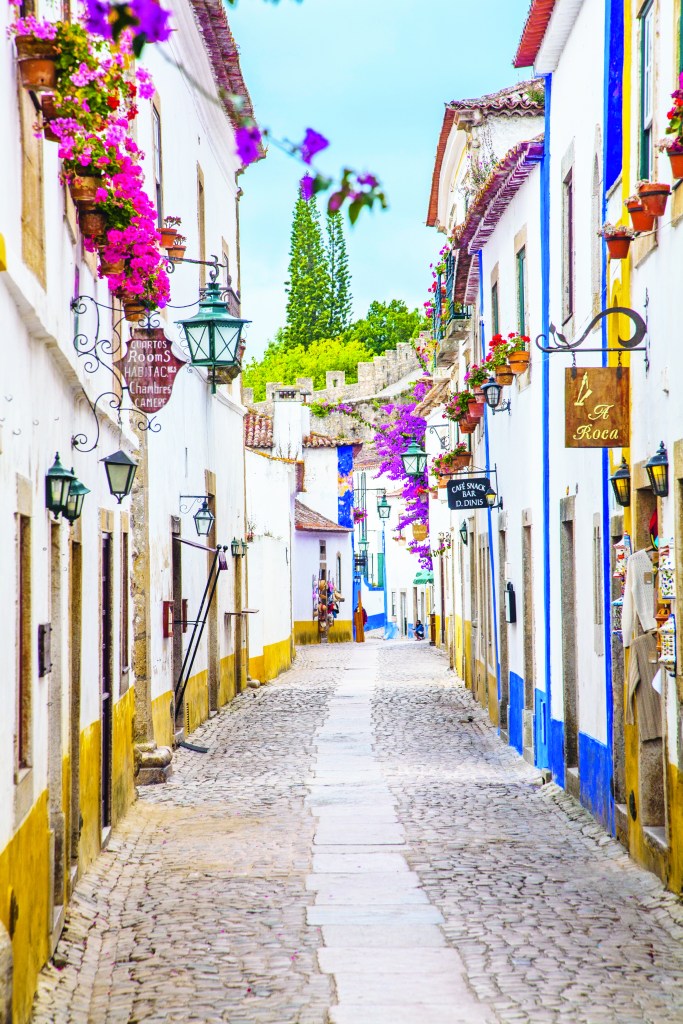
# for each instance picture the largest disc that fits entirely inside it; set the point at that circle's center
(517, 343)
(616, 231)
(476, 376)
(450, 462)
(498, 352)
(359, 515)
(674, 129)
(457, 405)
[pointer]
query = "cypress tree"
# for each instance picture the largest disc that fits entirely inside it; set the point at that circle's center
(340, 298)
(308, 305)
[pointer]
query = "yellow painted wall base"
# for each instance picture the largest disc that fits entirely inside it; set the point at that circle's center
(89, 774)
(307, 632)
(162, 723)
(276, 658)
(123, 766)
(196, 701)
(25, 875)
(227, 685)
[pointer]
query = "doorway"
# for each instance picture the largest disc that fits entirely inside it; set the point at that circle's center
(404, 614)
(570, 696)
(55, 798)
(106, 682)
(75, 617)
(178, 611)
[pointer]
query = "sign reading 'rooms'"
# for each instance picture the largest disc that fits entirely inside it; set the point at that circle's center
(596, 407)
(468, 492)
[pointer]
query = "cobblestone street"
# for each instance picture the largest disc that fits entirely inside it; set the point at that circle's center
(360, 847)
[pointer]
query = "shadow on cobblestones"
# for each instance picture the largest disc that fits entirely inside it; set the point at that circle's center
(552, 919)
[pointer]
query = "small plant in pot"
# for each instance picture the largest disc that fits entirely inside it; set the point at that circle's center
(618, 238)
(474, 378)
(497, 360)
(518, 352)
(169, 232)
(446, 465)
(641, 219)
(654, 196)
(673, 143)
(176, 251)
(673, 147)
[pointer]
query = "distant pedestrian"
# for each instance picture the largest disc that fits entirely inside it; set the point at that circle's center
(419, 631)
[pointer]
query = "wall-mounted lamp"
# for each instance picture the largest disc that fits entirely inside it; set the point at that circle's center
(492, 393)
(58, 482)
(414, 460)
(235, 547)
(621, 484)
(74, 503)
(203, 517)
(491, 499)
(120, 470)
(463, 531)
(658, 472)
(383, 507)
(245, 548)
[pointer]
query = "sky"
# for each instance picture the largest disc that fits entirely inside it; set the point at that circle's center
(373, 77)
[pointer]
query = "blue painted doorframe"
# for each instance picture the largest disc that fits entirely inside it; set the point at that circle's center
(554, 758)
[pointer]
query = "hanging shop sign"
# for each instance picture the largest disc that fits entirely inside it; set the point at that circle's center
(468, 493)
(149, 368)
(596, 407)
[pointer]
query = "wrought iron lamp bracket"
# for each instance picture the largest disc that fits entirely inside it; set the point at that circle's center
(501, 407)
(188, 502)
(213, 264)
(443, 441)
(559, 343)
(99, 352)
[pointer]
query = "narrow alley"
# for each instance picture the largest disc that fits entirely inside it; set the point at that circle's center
(358, 846)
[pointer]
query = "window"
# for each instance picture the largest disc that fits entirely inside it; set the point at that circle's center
(156, 157)
(24, 645)
(598, 592)
(567, 247)
(495, 316)
(393, 604)
(323, 551)
(339, 573)
(646, 90)
(520, 260)
(125, 597)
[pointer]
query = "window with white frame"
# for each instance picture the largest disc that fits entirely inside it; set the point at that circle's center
(646, 89)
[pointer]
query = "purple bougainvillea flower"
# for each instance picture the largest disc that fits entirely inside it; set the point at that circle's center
(313, 143)
(306, 186)
(97, 18)
(153, 20)
(248, 142)
(368, 179)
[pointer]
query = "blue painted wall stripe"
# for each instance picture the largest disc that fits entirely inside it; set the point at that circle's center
(515, 713)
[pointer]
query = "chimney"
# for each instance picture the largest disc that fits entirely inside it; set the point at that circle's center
(287, 423)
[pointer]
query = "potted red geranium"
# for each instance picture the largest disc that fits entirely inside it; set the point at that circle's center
(446, 465)
(518, 352)
(497, 360)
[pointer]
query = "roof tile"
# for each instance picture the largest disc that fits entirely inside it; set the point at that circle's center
(306, 518)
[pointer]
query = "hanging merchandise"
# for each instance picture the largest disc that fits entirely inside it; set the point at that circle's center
(667, 578)
(622, 552)
(667, 639)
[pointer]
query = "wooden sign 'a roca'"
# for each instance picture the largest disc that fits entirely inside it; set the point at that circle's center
(596, 407)
(149, 368)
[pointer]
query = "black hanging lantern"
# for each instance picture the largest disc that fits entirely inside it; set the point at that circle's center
(204, 520)
(214, 336)
(245, 548)
(120, 470)
(621, 484)
(492, 392)
(58, 482)
(383, 507)
(658, 472)
(463, 532)
(74, 504)
(235, 547)
(414, 460)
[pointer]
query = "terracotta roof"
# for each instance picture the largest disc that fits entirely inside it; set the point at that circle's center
(533, 32)
(486, 210)
(435, 396)
(224, 58)
(306, 519)
(367, 458)
(513, 100)
(258, 431)
(448, 118)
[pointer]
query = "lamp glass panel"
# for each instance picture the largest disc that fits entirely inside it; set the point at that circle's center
(659, 481)
(204, 520)
(227, 336)
(199, 339)
(120, 476)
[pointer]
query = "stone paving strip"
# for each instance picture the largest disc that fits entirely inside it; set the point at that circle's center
(359, 847)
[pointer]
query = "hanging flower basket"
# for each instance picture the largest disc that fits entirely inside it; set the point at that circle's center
(32, 46)
(618, 246)
(676, 159)
(475, 410)
(640, 218)
(420, 531)
(519, 362)
(654, 196)
(467, 426)
(176, 251)
(83, 190)
(133, 310)
(38, 73)
(111, 267)
(92, 224)
(49, 113)
(168, 237)
(504, 375)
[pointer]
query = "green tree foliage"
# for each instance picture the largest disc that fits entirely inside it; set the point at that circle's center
(308, 291)
(283, 363)
(340, 299)
(386, 324)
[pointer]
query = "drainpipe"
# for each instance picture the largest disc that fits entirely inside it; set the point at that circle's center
(494, 598)
(545, 414)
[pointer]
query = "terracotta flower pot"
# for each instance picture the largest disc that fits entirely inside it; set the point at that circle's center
(479, 392)
(91, 224)
(504, 375)
(109, 268)
(420, 531)
(83, 190)
(442, 480)
(467, 426)
(31, 46)
(676, 163)
(38, 73)
(176, 252)
(654, 196)
(519, 361)
(618, 246)
(475, 410)
(640, 218)
(133, 310)
(167, 236)
(49, 111)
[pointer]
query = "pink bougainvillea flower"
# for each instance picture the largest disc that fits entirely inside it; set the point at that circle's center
(313, 143)
(248, 143)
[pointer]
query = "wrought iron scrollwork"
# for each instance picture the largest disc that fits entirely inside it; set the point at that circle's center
(101, 352)
(559, 343)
